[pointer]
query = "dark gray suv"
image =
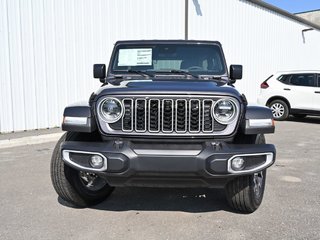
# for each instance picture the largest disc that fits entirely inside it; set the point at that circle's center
(166, 115)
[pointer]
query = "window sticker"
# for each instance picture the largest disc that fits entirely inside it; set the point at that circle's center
(135, 57)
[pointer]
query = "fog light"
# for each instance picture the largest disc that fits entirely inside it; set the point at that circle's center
(96, 161)
(237, 163)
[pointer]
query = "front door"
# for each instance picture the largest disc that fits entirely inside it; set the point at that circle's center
(302, 91)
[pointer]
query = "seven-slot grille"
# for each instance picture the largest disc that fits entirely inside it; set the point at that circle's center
(166, 115)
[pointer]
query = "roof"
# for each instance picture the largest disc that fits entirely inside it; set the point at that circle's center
(315, 10)
(284, 13)
(298, 71)
(178, 41)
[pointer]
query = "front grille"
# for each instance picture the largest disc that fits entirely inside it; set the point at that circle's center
(171, 115)
(179, 116)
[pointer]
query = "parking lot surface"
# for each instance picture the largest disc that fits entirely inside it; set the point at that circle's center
(30, 208)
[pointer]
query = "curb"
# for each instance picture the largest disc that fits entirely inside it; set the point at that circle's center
(31, 140)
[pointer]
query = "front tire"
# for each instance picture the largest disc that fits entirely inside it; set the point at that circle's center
(245, 193)
(80, 189)
(280, 109)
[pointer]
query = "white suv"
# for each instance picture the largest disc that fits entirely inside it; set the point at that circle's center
(295, 92)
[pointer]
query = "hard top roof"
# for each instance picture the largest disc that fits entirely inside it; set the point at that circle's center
(178, 41)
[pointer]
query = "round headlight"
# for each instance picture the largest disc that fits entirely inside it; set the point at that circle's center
(111, 110)
(224, 111)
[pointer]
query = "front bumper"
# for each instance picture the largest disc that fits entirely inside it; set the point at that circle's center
(206, 164)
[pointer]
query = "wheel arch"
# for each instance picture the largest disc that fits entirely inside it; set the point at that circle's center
(279, 98)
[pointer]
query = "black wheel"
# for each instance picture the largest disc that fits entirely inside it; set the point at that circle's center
(299, 115)
(80, 189)
(245, 193)
(280, 109)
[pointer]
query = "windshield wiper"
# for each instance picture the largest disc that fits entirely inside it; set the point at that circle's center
(184, 72)
(179, 72)
(216, 77)
(142, 73)
(118, 78)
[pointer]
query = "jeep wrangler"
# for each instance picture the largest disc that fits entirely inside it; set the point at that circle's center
(167, 115)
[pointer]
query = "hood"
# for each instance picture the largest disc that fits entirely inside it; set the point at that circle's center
(185, 87)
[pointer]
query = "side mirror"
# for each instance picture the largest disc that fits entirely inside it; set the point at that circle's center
(99, 71)
(235, 72)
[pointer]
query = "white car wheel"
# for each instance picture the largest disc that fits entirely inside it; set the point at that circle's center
(280, 109)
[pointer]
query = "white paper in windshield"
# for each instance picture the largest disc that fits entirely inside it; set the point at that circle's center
(135, 57)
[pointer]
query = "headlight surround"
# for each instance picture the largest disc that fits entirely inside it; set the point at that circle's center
(224, 111)
(111, 110)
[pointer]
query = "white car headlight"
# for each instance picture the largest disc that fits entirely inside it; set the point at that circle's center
(224, 111)
(111, 110)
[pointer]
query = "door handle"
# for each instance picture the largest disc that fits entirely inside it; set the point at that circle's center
(287, 89)
(317, 92)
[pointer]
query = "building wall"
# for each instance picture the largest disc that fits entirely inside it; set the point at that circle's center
(260, 39)
(48, 47)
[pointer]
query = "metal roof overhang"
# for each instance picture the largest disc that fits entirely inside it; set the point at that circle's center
(284, 13)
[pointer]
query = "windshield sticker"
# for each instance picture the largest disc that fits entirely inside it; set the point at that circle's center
(135, 57)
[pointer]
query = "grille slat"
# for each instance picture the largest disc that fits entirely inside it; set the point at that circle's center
(141, 115)
(173, 115)
(127, 120)
(167, 115)
(154, 115)
(207, 118)
(181, 115)
(194, 115)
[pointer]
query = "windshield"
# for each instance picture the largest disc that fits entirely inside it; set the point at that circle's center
(199, 59)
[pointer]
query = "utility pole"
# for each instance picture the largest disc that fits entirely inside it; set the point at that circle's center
(186, 19)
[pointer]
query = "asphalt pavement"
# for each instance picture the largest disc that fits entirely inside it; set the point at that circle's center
(30, 208)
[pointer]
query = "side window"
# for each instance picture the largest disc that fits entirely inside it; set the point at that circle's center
(306, 80)
(318, 80)
(284, 79)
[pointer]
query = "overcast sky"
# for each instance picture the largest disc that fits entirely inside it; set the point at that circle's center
(295, 6)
